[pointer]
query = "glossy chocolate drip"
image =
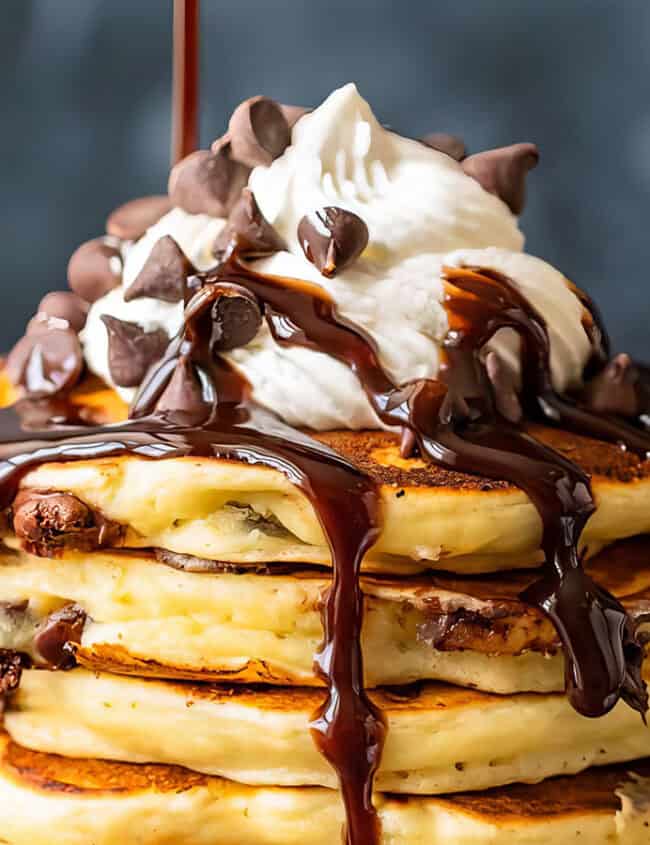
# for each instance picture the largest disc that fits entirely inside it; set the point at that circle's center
(185, 119)
(455, 424)
(221, 422)
(348, 729)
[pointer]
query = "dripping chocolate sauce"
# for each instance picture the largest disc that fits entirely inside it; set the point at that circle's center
(185, 118)
(455, 424)
(221, 422)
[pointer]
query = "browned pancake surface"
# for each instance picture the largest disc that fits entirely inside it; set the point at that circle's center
(377, 454)
(592, 792)
(52, 773)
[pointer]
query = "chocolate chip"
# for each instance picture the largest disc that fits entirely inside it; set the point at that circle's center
(14, 609)
(504, 387)
(191, 563)
(332, 238)
(131, 350)
(64, 305)
(451, 145)
(164, 274)
(131, 220)
(43, 516)
(227, 314)
(247, 232)
(236, 318)
(47, 523)
(292, 114)
(259, 131)
(11, 666)
(46, 361)
(503, 172)
(184, 393)
(95, 269)
(434, 629)
(208, 182)
(49, 411)
(614, 389)
(56, 637)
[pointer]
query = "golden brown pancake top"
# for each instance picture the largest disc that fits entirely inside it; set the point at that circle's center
(377, 454)
(51, 773)
(591, 792)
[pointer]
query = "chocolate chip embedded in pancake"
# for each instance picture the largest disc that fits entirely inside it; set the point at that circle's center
(56, 637)
(47, 523)
(11, 665)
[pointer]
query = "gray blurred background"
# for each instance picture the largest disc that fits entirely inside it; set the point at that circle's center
(84, 99)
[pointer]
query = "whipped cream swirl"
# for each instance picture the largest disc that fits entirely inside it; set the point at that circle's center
(423, 213)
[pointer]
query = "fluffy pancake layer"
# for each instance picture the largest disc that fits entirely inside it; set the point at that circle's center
(440, 739)
(147, 618)
(76, 802)
(226, 510)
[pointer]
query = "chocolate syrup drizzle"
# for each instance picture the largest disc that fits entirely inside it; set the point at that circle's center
(185, 119)
(455, 424)
(220, 421)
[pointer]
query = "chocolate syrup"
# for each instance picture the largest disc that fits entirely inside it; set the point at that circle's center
(185, 119)
(221, 422)
(456, 425)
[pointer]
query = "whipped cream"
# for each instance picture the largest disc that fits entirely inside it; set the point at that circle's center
(412, 198)
(423, 213)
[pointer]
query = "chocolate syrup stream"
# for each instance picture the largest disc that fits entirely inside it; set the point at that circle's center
(456, 426)
(185, 118)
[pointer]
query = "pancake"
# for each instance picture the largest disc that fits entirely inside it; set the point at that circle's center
(147, 618)
(76, 802)
(440, 739)
(227, 510)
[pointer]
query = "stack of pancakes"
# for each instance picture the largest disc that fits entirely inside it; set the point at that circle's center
(177, 606)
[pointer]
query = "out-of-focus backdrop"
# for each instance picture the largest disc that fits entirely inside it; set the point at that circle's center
(85, 116)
